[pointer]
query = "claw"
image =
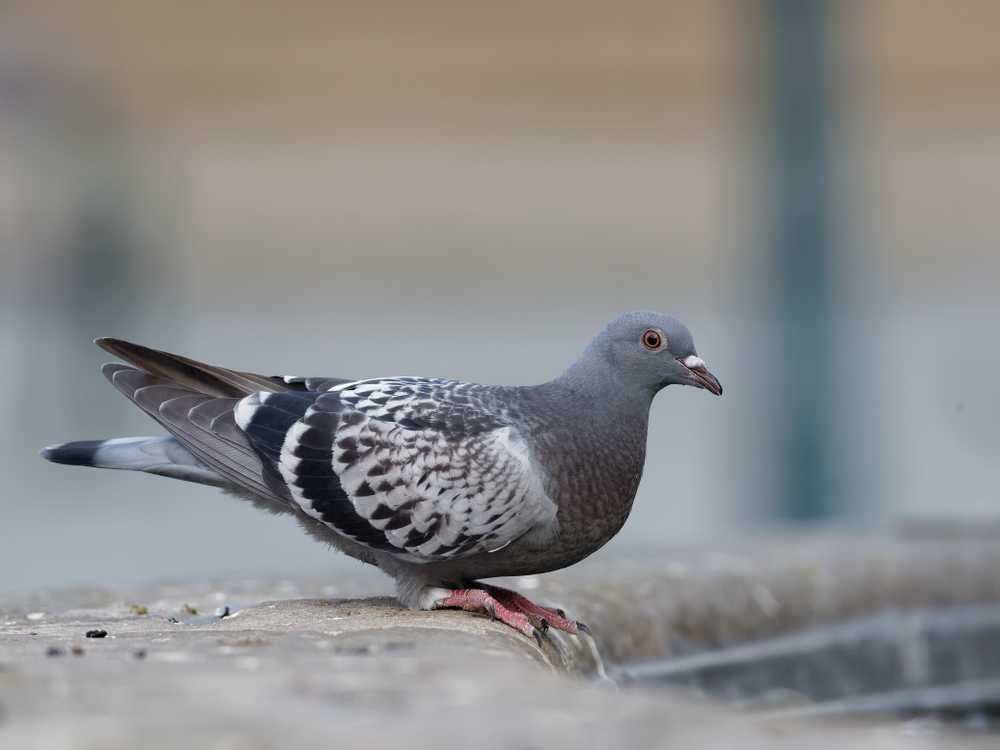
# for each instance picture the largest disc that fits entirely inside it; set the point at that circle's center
(561, 612)
(544, 625)
(582, 627)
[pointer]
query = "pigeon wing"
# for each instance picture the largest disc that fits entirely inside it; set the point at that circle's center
(204, 425)
(425, 469)
(210, 380)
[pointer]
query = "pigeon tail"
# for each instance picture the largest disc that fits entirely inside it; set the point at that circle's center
(163, 456)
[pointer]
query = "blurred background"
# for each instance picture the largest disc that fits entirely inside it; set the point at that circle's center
(471, 190)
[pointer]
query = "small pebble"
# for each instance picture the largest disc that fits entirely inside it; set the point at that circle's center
(54, 651)
(222, 612)
(174, 620)
(77, 650)
(96, 633)
(188, 609)
(140, 654)
(138, 609)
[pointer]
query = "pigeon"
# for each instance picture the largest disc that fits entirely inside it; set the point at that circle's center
(439, 483)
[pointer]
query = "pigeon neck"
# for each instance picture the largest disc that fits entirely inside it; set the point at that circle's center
(593, 376)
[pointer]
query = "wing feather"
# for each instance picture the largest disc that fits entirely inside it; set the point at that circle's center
(211, 380)
(228, 453)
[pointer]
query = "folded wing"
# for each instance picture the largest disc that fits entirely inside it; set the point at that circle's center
(418, 467)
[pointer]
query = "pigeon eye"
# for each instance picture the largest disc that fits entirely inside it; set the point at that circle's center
(653, 340)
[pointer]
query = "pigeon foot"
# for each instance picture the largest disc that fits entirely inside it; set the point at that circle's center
(510, 608)
(546, 616)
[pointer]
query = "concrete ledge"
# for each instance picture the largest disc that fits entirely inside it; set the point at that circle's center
(293, 667)
(676, 603)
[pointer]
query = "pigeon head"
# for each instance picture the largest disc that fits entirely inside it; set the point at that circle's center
(650, 350)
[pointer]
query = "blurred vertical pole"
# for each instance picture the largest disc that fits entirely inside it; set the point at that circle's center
(799, 67)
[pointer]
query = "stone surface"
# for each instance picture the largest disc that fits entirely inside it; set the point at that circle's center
(671, 604)
(301, 664)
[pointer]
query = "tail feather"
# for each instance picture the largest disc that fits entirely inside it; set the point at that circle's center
(163, 456)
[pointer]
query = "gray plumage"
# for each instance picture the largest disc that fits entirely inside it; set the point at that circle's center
(438, 482)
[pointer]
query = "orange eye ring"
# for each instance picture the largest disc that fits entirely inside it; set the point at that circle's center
(653, 339)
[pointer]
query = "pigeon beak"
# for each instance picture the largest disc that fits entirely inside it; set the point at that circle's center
(700, 375)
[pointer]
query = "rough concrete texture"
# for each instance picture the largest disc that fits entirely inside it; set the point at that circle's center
(292, 666)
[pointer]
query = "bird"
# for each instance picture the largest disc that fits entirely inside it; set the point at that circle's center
(439, 483)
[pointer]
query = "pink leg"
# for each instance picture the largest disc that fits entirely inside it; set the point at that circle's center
(547, 617)
(479, 600)
(510, 608)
